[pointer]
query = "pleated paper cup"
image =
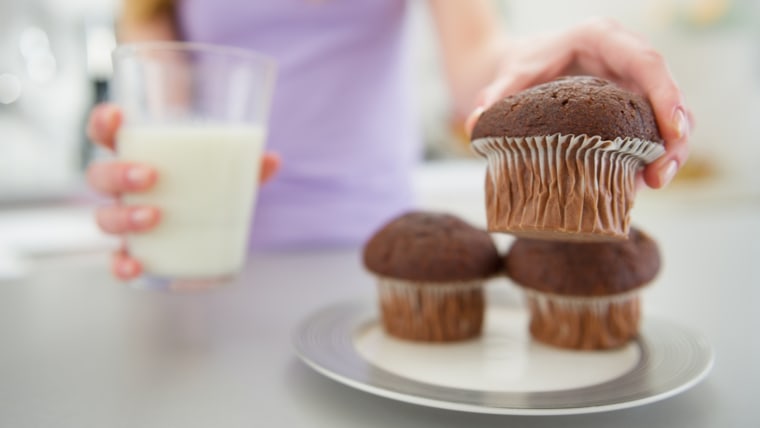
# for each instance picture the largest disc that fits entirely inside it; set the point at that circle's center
(563, 187)
(584, 323)
(431, 312)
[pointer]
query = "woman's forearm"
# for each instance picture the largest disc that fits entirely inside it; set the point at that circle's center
(472, 42)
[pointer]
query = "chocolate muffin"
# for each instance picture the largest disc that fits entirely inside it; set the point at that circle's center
(562, 159)
(431, 269)
(584, 295)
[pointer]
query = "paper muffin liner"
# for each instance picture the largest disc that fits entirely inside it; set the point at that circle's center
(563, 186)
(431, 312)
(599, 322)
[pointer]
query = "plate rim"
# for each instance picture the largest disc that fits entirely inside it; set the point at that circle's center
(368, 315)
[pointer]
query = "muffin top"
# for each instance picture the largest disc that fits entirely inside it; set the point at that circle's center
(432, 248)
(571, 105)
(584, 269)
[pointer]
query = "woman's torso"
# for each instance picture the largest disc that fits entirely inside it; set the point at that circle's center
(342, 118)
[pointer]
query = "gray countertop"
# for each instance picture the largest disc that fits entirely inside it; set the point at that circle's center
(79, 350)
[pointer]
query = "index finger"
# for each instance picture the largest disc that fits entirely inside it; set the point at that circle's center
(103, 124)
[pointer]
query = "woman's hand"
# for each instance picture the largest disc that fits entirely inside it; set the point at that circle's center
(114, 178)
(603, 48)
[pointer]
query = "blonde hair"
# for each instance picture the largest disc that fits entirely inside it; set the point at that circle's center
(146, 10)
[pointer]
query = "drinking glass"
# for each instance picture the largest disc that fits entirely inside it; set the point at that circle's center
(196, 113)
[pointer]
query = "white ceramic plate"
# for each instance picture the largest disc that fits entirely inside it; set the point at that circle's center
(504, 371)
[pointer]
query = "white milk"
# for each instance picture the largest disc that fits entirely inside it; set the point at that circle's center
(207, 180)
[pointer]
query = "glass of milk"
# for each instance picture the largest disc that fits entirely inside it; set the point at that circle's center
(197, 114)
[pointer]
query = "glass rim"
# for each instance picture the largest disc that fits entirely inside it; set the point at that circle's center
(125, 49)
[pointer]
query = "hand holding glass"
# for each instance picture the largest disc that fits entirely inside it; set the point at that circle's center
(196, 114)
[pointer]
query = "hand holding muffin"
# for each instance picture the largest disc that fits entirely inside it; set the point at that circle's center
(603, 48)
(563, 158)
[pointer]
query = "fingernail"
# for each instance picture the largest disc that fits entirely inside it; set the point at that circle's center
(142, 216)
(668, 173)
(138, 175)
(680, 123)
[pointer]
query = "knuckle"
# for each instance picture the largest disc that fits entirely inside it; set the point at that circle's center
(651, 57)
(519, 74)
(603, 24)
(92, 174)
(108, 177)
(98, 171)
(514, 80)
(102, 217)
(111, 219)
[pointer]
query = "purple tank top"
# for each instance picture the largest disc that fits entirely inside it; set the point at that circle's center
(343, 118)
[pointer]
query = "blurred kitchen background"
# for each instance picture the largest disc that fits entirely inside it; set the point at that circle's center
(55, 64)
